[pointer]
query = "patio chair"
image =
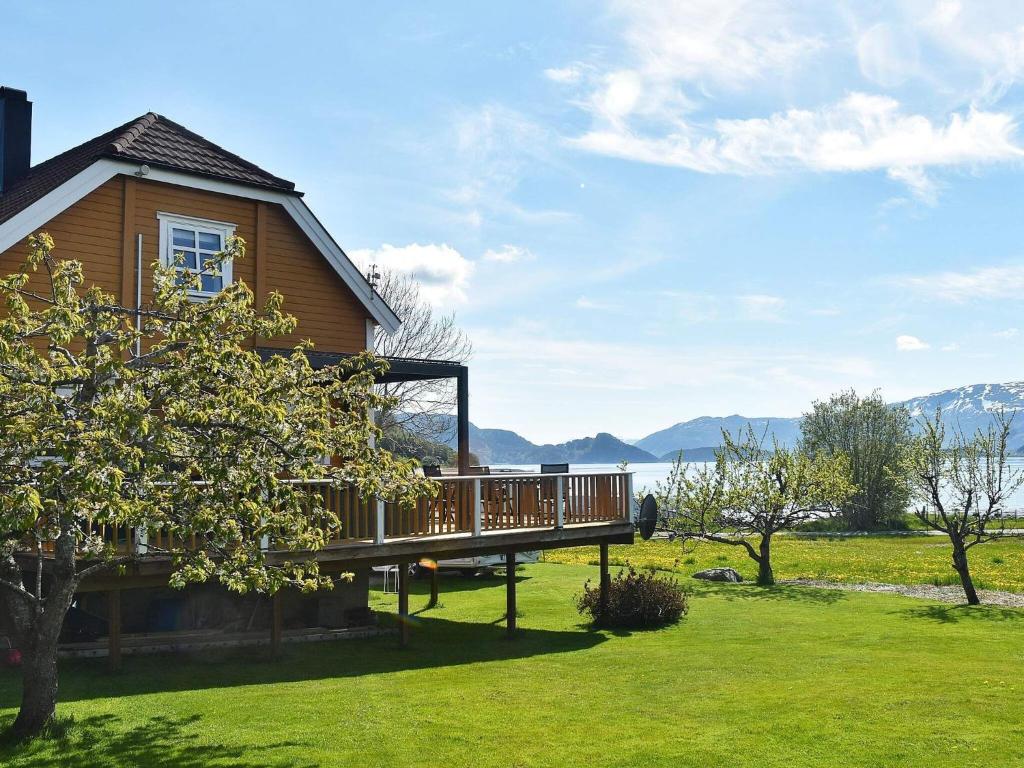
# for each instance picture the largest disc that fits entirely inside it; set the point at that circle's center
(549, 488)
(431, 470)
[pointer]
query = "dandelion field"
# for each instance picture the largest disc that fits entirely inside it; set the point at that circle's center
(910, 559)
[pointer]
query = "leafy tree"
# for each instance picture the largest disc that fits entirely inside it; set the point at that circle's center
(874, 437)
(421, 407)
(162, 419)
(750, 493)
(402, 442)
(960, 488)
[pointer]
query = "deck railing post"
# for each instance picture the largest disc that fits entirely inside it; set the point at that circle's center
(477, 508)
(630, 513)
(378, 533)
(559, 502)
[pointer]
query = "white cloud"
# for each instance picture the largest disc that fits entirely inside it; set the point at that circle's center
(604, 306)
(985, 39)
(1009, 333)
(655, 103)
(887, 54)
(1005, 282)
(951, 347)
(442, 272)
(507, 254)
(861, 132)
(722, 42)
(762, 308)
(569, 74)
(918, 182)
(825, 312)
(910, 344)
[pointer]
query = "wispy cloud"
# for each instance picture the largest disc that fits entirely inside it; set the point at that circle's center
(657, 103)
(494, 148)
(568, 74)
(910, 344)
(605, 306)
(1003, 282)
(508, 254)
(761, 307)
(862, 132)
(1008, 333)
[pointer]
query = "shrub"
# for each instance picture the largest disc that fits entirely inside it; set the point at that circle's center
(635, 601)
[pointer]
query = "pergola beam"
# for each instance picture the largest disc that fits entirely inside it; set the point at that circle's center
(403, 369)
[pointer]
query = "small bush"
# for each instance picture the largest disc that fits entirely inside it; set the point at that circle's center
(635, 601)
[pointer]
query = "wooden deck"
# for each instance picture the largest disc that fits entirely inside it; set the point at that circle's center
(466, 516)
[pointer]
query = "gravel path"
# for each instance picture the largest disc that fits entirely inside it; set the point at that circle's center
(923, 591)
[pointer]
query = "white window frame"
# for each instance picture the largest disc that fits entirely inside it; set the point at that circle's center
(167, 258)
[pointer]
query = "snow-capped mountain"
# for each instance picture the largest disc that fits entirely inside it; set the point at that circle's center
(972, 407)
(966, 408)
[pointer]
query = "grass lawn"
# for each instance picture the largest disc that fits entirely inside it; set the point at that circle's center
(752, 677)
(889, 559)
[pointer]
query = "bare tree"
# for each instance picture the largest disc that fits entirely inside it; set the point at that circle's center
(961, 488)
(751, 493)
(420, 407)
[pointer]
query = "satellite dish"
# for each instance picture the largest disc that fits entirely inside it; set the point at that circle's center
(648, 518)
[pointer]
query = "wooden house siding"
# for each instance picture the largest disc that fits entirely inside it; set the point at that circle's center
(327, 310)
(89, 231)
(101, 228)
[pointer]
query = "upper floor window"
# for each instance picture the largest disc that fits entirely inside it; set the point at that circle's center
(190, 244)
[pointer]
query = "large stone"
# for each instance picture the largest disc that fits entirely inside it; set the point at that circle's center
(719, 574)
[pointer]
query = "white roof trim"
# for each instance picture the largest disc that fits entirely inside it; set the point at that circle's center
(25, 222)
(20, 226)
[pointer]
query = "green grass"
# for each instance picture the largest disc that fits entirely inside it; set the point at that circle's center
(907, 559)
(752, 677)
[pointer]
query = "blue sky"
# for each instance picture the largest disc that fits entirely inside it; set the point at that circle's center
(641, 213)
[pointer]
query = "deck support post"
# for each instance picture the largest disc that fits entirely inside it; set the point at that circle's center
(462, 411)
(403, 604)
(605, 580)
(510, 593)
(435, 586)
(559, 502)
(114, 630)
(276, 624)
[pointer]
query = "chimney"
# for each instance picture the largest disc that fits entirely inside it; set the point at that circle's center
(15, 136)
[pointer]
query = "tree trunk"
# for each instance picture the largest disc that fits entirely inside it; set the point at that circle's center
(964, 571)
(765, 576)
(39, 646)
(39, 683)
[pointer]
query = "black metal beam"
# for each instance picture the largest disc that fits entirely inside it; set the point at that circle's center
(462, 409)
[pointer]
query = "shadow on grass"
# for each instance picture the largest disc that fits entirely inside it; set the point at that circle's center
(954, 614)
(454, 582)
(790, 593)
(160, 742)
(435, 643)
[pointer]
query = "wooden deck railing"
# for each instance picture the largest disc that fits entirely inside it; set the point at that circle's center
(479, 504)
(472, 505)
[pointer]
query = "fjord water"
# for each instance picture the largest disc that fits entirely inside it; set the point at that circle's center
(646, 476)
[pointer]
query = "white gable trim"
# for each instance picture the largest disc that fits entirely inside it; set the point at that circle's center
(20, 226)
(24, 223)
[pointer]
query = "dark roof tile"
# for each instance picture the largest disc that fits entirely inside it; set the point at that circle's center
(151, 139)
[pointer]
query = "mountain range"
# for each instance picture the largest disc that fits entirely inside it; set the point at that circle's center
(966, 408)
